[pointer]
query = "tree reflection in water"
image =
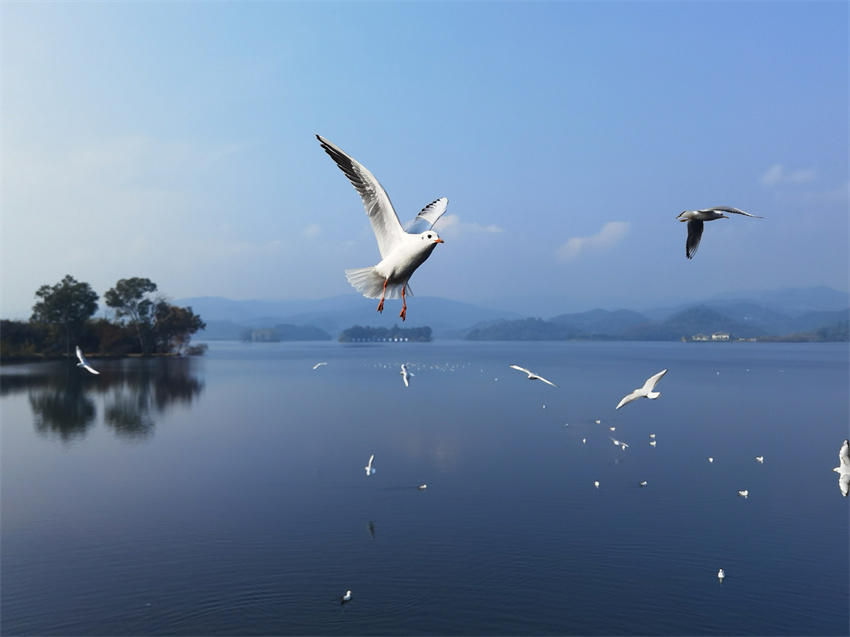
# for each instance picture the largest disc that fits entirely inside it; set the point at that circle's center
(133, 393)
(62, 413)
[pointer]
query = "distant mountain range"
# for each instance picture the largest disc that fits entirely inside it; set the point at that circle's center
(759, 314)
(227, 319)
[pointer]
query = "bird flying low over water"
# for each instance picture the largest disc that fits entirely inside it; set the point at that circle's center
(843, 468)
(622, 445)
(84, 363)
(369, 469)
(695, 219)
(646, 391)
(318, 365)
(405, 375)
(532, 375)
(402, 249)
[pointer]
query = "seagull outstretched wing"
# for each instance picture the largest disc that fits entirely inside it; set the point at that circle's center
(426, 219)
(652, 381)
(380, 210)
(84, 363)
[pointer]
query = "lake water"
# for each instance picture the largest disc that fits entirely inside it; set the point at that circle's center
(226, 495)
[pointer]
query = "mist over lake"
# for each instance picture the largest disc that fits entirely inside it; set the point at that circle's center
(226, 495)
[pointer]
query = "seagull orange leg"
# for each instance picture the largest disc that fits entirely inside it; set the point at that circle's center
(403, 303)
(381, 304)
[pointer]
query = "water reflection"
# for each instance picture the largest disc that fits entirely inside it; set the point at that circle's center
(61, 413)
(132, 394)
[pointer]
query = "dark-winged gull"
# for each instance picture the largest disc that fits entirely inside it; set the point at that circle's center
(695, 219)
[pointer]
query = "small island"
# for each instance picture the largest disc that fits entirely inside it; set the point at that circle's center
(394, 334)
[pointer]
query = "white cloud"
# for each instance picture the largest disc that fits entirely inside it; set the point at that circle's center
(450, 226)
(777, 175)
(610, 235)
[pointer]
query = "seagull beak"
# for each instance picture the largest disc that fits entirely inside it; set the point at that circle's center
(438, 241)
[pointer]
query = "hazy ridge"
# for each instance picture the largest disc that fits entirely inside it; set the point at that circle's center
(762, 313)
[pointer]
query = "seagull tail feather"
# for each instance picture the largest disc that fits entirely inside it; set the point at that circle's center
(371, 284)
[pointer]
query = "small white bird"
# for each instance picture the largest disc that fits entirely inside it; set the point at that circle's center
(843, 468)
(646, 391)
(369, 468)
(422, 487)
(710, 459)
(760, 459)
(596, 483)
(721, 574)
(652, 443)
(345, 598)
(619, 443)
(598, 422)
(318, 365)
(612, 428)
(584, 441)
(643, 484)
(695, 219)
(402, 250)
(652, 436)
(532, 375)
(84, 363)
(405, 375)
(743, 493)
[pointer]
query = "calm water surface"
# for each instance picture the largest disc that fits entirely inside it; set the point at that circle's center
(226, 495)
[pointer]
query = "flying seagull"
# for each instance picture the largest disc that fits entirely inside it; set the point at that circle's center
(369, 469)
(318, 365)
(84, 363)
(405, 375)
(843, 468)
(532, 375)
(645, 391)
(622, 445)
(402, 249)
(695, 219)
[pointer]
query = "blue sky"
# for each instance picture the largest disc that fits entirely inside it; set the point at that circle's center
(177, 141)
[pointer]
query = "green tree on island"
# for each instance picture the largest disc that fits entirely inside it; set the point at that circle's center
(174, 326)
(130, 298)
(68, 304)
